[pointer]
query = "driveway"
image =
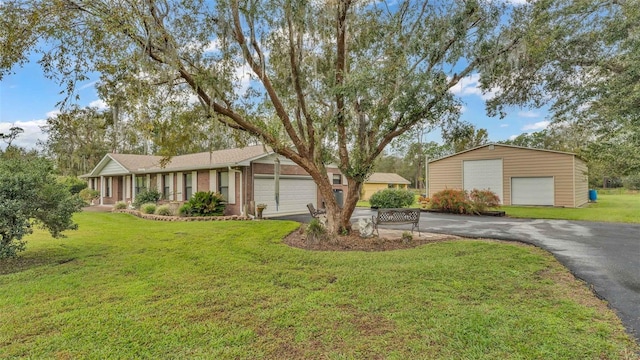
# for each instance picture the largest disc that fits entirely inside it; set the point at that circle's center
(605, 255)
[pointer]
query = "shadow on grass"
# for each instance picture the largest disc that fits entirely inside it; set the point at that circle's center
(32, 260)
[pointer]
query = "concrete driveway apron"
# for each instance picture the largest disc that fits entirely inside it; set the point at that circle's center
(605, 255)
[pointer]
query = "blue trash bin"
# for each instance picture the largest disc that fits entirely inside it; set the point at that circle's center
(593, 195)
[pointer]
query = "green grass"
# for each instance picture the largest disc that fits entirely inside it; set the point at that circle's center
(123, 287)
(610, 207)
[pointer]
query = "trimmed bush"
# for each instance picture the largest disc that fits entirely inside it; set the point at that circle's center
(457, 201)
(120, 205)
(392, 198)
(184, 210)
(483, 200)
(148, 208)
(87, 195)
(632, 182)
(164, 210)
(146, 197)
(206, 203)
(451, 201)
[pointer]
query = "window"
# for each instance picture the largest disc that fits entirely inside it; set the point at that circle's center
(140, 186)
(107, 187)
(223, 184)
(166, 189)
(337, 179)
(187, 186)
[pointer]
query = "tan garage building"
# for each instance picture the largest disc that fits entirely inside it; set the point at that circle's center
(520, 176)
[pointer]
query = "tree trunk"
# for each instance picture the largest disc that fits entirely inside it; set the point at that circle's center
(338, 219)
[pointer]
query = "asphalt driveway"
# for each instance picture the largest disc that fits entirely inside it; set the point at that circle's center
(605, 255)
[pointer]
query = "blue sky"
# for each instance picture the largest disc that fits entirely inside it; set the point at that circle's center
(27, 98)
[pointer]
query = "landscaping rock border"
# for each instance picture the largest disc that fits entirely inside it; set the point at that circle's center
(181, 218)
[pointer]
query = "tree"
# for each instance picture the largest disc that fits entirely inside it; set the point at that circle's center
(77, 139)
(465, 136)
(13, 133)
(581, 58)
(319, 82)
(30, 194)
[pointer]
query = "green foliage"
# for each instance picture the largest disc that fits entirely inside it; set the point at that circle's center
(458, 201)
(316, 232)
(146, 196)
(392, 198)
(184, 210)
(120, 205)
(632, 182)
(148, 208)
(30, 193)
(206, 203)
(164, 210)
(73, 184)
(451, 201)
(87, 195)
(483, 200)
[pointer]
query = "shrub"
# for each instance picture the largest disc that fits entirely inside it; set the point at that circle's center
(392, 198)
(87, 195)
(148, 208)
(206, 203)
(315, 232)
(164, 210)
(632, 182)
(462, 202)
(184, 210)
(145, 197)
(73, 184)
(482, 200)
(451, 201)
(120, 205)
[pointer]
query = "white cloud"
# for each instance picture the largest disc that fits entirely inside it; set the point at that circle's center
(528, 114)
(53, 113)
(29, 137)
(513, 137)
(504, 125)
(540, 125)
(100, 104)
(470, 85)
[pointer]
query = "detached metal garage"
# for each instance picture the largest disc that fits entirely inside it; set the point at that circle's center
(520, 176)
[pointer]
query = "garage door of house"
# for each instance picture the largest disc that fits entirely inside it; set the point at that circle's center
(532, 191)
(295, 194)
(483, 174)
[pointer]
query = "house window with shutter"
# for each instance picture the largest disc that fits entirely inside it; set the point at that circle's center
(140, 184)
(223, 184)
(337, 179)
(166, 186)
(187, 186)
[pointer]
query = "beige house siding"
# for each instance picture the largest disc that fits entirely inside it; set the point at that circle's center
(582, 182)
(369, 189)
(516, 162)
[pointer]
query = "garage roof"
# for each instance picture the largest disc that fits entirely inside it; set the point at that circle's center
(502, 145)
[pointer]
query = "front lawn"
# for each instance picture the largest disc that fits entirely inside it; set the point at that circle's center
(123, 287)
(610, 207)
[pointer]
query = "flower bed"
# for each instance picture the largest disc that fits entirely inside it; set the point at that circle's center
(181, 218)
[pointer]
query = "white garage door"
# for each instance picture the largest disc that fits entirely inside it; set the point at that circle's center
(532, 191)
(482, 175)
(295, 194)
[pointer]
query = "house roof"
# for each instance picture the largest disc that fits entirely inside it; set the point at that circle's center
(386, 178)
(122, 164)
(503, 145)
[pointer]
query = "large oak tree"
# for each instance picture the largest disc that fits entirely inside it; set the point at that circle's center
(320, 82)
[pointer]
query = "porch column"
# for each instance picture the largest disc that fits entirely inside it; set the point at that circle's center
(101, 190)
(133, 187)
